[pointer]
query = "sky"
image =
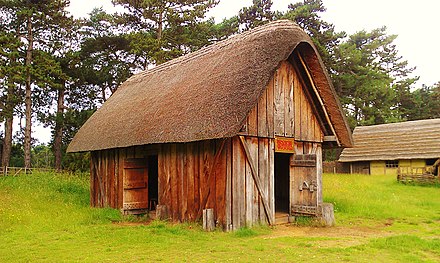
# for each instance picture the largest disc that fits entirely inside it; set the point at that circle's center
(415, 22)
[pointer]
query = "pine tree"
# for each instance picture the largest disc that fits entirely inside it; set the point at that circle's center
(259, 13)
(162, 30)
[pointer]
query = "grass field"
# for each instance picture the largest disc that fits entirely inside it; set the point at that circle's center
(46, 217)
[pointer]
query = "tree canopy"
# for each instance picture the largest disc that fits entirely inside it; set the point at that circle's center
(59, 70)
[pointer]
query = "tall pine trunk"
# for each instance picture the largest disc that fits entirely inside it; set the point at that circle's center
(28, 99)
(7, 143)
(59, 123)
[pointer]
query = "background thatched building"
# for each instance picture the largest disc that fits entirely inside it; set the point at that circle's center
(411, 147)
(237, 127)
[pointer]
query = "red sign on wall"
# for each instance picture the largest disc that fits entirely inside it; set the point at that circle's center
(285, 145)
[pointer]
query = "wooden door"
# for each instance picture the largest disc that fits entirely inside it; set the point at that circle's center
(304, 184)
(135, 185)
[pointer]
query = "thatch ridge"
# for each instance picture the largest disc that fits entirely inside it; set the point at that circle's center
(203, 95)
(395, 141)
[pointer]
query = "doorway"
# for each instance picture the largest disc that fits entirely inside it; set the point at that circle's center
(282, 182)
(153, 182)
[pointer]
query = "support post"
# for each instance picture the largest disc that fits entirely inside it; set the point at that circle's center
(208, 219)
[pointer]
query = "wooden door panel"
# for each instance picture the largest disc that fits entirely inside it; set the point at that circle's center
(304, 186)
(135, 185)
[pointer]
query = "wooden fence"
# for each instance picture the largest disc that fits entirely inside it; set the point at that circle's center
(15, 171)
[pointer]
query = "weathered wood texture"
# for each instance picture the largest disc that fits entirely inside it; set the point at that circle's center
(284, 109)
(107, 174)
(246, 199)
(234, 178)
(306, 178)
(191, 177)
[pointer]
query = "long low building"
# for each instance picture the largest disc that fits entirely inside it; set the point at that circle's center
(410, 146)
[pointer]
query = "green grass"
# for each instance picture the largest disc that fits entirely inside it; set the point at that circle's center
(47, 218)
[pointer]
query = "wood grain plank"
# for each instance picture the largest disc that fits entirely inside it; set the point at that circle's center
(220, 190)
(122, 156)
(271, 179)
(297, 108)
(174, 182)
(238, 181)
(253, 148)
(262, 116)
(263, 172)
(198, 152)
(228, 192)
(319, 172)
(279, 101)
(270, 107)
(263, 195)
(190, 171)
(182, 198)
(252, 124)
(289, 114)
(249, 192)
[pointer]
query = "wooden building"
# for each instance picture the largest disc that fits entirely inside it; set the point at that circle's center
(237, 127)
(411, 147)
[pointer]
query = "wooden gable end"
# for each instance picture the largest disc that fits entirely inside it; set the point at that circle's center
(285, 109)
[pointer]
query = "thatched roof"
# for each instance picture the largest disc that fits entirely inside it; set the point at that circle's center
(206, 94)
(395, 141)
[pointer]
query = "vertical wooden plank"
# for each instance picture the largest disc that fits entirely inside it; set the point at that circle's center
(297, 108)
(238, 178)
(174, 182)
(116, 179)
(214, 146)
(253, 122)
(249, 191)
(190, 174)
(220, 189)
(202, 174)
(288, 101)
(319, 172)
(271, 181)
(262, 116)
(167, 178)
(180, 184)
(270, 107)
(263, 172)
(110, 178)
(104, 178)
(198, 152)
(279, 101)
(99, 177)
(254, 145)
(228, 193)
(122, 156)
(310, 123)
(161, 176)
(185, 195)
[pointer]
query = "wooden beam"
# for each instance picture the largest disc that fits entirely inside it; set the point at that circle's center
(330, 138)
(306, 69)
(257, 180)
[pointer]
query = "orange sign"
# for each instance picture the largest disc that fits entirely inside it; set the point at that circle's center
(284, 145)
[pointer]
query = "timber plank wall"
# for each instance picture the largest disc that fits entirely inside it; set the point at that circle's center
(220, 173)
